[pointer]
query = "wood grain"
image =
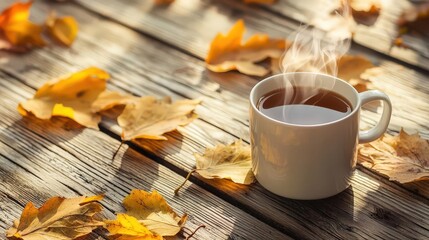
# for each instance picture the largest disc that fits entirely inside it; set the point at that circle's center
(139, 65)
(40, 159)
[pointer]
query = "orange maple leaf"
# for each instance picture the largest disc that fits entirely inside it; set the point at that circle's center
(227, 52)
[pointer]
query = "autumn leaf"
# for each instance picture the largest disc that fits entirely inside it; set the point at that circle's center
(17, 12)
(365, 11)
(129, 228)
(414, 20)
(227, 52)
(63, 29)
(153, 212)
(226, 161)
(150, 117)
(71, 96)
(109, 99)
(353, 68)
(403, 158)
(17, 29)
(58, 218)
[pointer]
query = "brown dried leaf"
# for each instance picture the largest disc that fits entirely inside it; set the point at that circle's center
(153, 212)
(58, 218)
(150, 118)
(415, 20)
(70, 96)
(109, 99)
(403, 158)
(227, 52)
(353, 68)
(365, 11)
(231, 162)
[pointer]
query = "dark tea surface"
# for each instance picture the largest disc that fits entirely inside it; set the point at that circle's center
(304, 106)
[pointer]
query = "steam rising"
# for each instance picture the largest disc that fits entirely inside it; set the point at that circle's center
(316, 51)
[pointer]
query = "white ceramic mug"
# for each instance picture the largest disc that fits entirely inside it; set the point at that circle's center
(310, 161)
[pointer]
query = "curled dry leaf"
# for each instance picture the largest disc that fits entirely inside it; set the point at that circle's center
(403, 158)
(227, 52)
(63, 29)
(109, 99)
(150, 117)
(365, 11)
(58, 218)
(415, 19)
(153, 212)
(17, 29)
(231, 162)
(353, 68)
(129, 228)
(70, 97)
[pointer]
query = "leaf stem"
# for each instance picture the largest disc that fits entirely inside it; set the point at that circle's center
(192, 233)
(176, 191)
(117, 150)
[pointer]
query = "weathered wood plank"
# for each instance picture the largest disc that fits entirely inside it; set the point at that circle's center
(287, 215)
(42, 159)
(400, 83)
(176, 24)
(378, 36)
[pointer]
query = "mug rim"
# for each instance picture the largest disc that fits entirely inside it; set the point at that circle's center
(255, 109)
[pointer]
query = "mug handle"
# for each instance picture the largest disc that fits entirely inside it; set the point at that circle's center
(380, 128)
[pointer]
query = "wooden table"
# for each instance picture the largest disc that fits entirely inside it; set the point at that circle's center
(160, 51)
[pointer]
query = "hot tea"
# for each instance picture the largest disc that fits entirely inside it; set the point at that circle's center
(304, 105)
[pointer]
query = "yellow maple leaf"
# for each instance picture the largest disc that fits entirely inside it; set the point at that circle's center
(17, 29)
(70, 97)
(226, 161)
(63, 29)
(403, 158)
(153, 212)
(150, 117)
(227, 52)
(58, 218)
(110, 99)
(129, 228)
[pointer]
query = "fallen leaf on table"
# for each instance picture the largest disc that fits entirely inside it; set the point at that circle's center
(150, 117)
(129, 228)
(153, 212)
(415, 20)
(63, 29)
(227, 52)
(17, 29)
(70, 96)
(58, 218)
(226, 161)
(109, 99)
(17, 12)
(365, 11)
(403, 158)
(259, 1)
(353, 68)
